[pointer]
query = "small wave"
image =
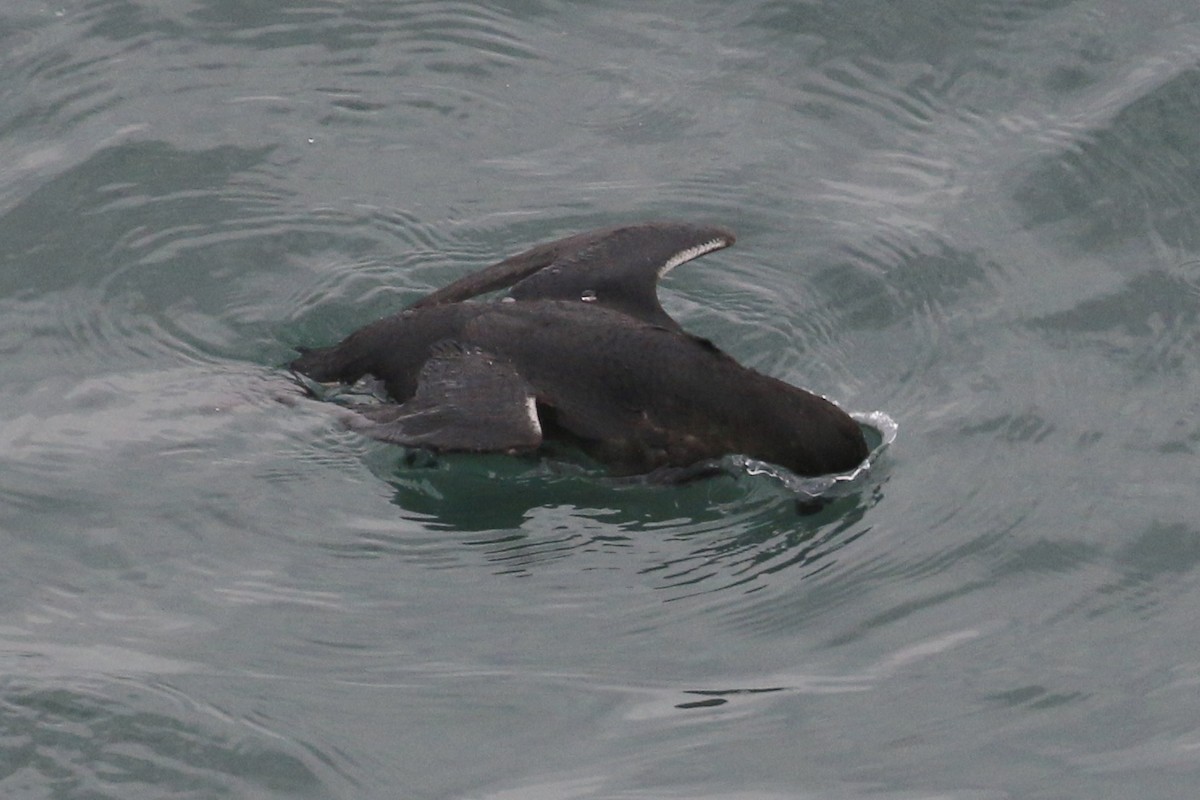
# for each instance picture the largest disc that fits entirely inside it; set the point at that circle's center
(878, 425)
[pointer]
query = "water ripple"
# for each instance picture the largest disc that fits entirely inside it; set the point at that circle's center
(1124, 173)
(105, 738)
(445, 36)
(1148, 325)
(521, 517)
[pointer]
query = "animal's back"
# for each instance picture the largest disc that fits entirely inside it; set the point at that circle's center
(646, 397)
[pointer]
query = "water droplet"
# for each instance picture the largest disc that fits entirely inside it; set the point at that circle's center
(588, 296)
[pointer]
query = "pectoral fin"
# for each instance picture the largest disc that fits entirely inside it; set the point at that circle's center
(467, 400)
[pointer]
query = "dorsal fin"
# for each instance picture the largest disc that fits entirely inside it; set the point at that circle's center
(615, 267)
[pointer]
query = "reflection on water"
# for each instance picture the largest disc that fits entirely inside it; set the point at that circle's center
(527, 514)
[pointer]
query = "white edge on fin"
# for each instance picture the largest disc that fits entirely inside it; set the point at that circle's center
(531, 411)
(684, 256)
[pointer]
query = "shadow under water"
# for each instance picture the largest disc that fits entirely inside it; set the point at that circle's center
(490, 492)
(522, 515)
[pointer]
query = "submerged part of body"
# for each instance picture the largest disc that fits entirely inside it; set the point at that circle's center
(582, 350)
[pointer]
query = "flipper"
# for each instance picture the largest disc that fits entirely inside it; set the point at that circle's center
(467, 400)
(615, 267)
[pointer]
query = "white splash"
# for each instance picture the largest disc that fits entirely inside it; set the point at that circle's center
(878, 421)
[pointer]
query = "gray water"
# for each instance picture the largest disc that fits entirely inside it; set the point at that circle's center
(978, 217)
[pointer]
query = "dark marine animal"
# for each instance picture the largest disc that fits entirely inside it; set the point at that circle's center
(580, 349)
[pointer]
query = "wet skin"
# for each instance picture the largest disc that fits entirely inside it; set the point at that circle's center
(582, 350)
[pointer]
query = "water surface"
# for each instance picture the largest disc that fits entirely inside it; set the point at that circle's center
(978, 217)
